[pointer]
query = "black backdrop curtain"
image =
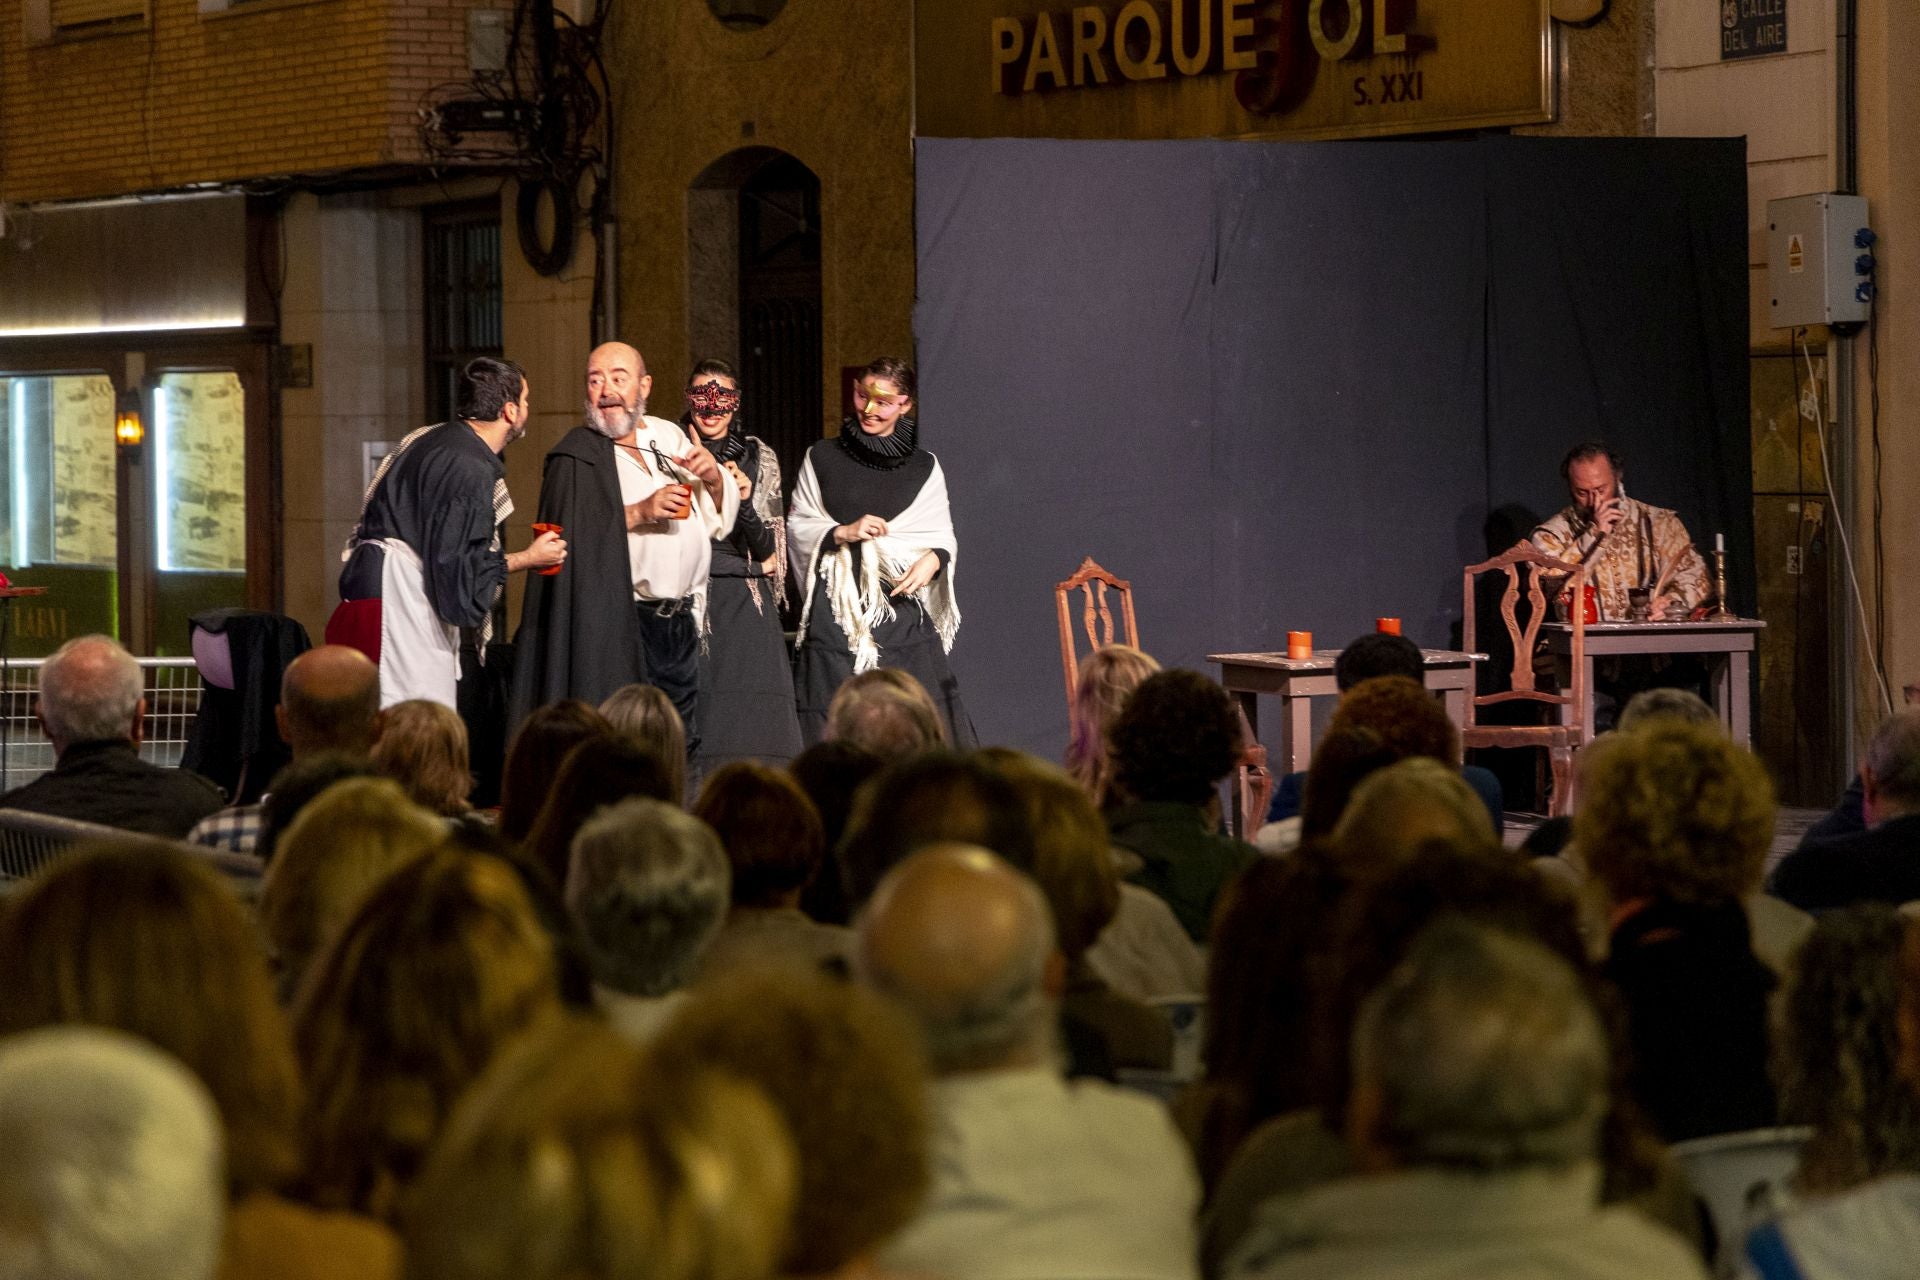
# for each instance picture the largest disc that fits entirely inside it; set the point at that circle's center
(1298, 386)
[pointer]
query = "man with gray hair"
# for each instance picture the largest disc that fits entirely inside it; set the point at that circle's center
(91, 708)
(114, 1168)
(649, 885)
(1881, 863)
(1035, 1177)
(1479, 1083)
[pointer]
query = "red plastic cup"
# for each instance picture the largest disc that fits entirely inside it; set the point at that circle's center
(550, 570)
(688, 490)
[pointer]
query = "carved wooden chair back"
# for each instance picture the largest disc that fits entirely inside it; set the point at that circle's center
(1096, 616)
(1538, 576)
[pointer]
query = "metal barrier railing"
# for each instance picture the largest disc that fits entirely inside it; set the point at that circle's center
(171, 687)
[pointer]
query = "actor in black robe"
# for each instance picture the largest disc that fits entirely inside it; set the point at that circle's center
(592, 595)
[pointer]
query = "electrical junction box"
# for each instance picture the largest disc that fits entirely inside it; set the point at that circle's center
(1819, 260)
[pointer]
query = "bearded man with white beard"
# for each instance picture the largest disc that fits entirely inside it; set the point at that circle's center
(640, 502)
(425, 560)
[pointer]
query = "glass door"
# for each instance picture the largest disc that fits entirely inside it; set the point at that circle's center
(197, 465)
(60, 512)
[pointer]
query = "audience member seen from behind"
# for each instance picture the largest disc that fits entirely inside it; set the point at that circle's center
(423, 747)
(1674, 823)
(299, 785)
(146, 940)
(92, 711)
(1276, 924)
(1871, 1232)
(1404, 720)
(340, 847)
(1397, 809)
(595, 774)
(1106, 680)
(645, 716)
(939, 797)
(539, 745)
(831, 773)
(774, 846)
(570, 1158)
(1370, 657)
(846, 1071)
(1377, 923)
(1881, 863)
(1034, 1177)
(1176, 739)
(113, 1168)
(441, 966)
(1839, 1053)
(648, 887)
(887, 712)
(329, 702)
(1677, 704)
(1074, 868)
(1480, 1074)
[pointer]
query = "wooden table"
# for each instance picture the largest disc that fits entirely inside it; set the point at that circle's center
(1728, 645)
(1298, 681)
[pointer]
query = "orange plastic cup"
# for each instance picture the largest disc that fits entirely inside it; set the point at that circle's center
(688, 490)
(550, 570)
(1299, 645)
(1387, 626)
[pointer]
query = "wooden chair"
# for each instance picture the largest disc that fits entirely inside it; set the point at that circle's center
(1253, 784)
(1561, 738)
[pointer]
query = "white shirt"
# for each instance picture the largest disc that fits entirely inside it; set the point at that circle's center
(1036, 1178)
(669, 560)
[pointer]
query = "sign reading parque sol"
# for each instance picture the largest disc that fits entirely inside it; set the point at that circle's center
(1230, 68)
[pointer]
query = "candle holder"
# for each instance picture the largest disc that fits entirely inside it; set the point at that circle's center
(1720, 611)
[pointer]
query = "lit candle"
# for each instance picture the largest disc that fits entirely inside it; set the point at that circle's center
(1719, 542)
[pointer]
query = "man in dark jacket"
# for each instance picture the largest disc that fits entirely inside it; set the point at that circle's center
(91, 708)
(1881, 863)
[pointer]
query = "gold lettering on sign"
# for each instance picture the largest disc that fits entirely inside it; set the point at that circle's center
(1336, 48)
(1089, 33)
(1009, 36)
(1140, 13)
(1236, 36)
(1045, 59)
(1196, 17)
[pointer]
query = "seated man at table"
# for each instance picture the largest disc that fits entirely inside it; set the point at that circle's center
(1379, 654)
(1623, 543)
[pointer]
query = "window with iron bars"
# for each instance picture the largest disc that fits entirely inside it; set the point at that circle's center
(461, 251)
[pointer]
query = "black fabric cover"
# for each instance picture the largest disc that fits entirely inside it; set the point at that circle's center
(1298, 386)
(234, 740)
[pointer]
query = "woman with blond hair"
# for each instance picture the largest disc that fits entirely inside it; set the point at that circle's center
(442, 965)
(141, 938)
(423, 747)
(1109, 675)
(646, 717)
(575, 1157)
(340, 847)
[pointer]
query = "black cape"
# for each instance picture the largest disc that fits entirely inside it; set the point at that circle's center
(578, 636)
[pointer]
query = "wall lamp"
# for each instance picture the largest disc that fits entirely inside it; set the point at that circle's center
(128, 429)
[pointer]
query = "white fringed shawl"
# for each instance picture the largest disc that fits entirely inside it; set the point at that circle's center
(859, 597)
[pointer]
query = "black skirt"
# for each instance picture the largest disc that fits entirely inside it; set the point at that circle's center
(908, 642)
(746, 680)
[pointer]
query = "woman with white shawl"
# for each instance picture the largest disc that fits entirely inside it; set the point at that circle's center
(871, 537)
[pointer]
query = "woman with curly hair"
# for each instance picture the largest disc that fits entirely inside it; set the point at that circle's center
(1176, 738)
(1839, 1060)
(1106, 679)
(1674, 823)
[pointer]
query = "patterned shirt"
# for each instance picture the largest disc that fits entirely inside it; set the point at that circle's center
(1643, 544)
(235, 829)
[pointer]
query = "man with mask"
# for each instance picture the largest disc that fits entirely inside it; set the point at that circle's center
(641, 502)
(425, 560)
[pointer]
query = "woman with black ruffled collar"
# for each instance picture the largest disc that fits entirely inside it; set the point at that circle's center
(871, 536)
(746, 684)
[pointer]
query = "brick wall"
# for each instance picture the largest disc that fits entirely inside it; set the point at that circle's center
(323, 86)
